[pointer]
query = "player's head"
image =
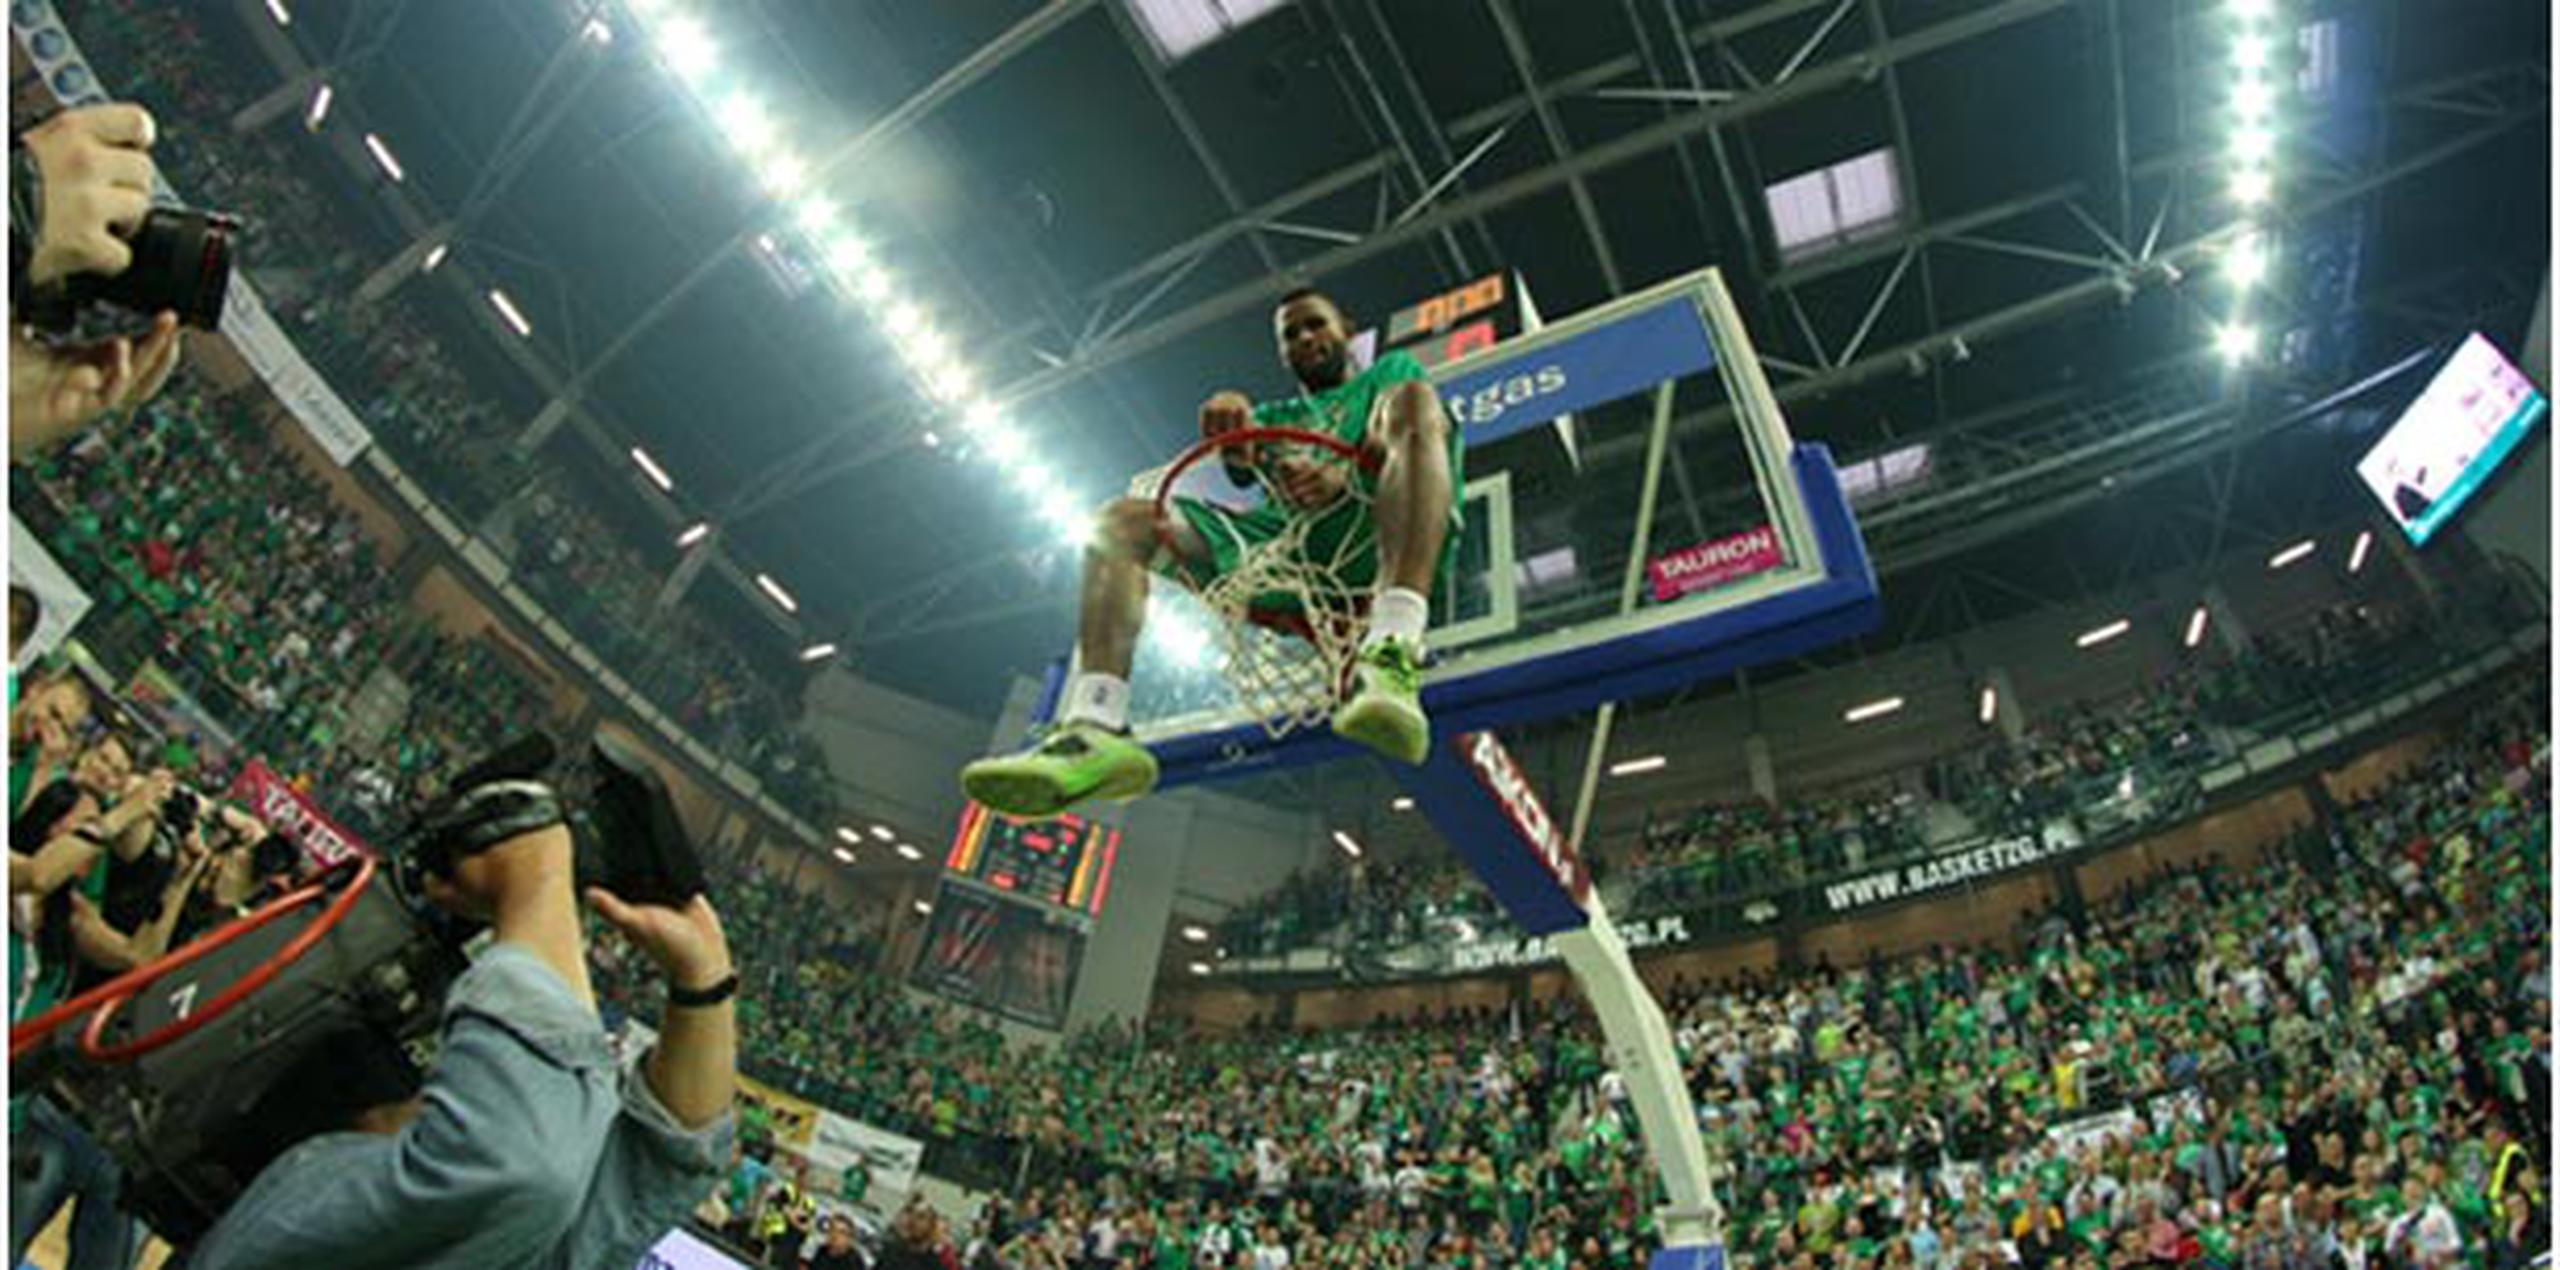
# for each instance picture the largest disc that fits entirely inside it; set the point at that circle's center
(1314, 337)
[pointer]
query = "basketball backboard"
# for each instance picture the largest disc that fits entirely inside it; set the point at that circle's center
(1637, 518)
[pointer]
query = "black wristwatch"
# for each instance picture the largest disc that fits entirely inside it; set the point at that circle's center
(703, 998)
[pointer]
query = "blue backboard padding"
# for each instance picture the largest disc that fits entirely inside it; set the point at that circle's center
(1692, 1257)
(1446, 791)
(1620, 357)
(1842, 606)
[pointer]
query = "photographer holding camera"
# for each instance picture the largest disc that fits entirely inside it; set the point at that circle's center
(60, 869)
(519, 1150)
(81, 198)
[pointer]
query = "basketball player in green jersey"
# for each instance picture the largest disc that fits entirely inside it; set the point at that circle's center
(1401, 541)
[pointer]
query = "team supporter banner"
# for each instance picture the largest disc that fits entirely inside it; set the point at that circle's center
(794, 1119)
(1886, 886)
(887, 1160)
(245, 320)
(1712, 564)
(834, 1145)
(286, 811)
(306, 396)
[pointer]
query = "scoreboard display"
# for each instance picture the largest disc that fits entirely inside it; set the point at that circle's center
(1448, 326)
(1064, 863)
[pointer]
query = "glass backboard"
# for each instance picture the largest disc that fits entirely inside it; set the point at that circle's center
(1634, 506)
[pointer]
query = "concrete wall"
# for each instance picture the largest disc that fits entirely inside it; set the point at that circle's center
(1117, 979)
(1239, 848)
(895, 759)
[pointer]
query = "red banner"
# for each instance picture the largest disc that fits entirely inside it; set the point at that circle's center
(285, 810)
(1712, 564)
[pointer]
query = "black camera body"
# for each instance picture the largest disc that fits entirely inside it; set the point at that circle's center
(181, 264)
(193, 1121)
(180, 1119)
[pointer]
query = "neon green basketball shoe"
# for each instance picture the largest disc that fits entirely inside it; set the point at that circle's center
(1071, 764)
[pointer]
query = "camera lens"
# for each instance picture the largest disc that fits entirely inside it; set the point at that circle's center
(181, 263)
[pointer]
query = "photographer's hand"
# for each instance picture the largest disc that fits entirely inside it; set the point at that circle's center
(95, 164)
(54, 392)
(128, 824)
(523, 888)
(694, 1070)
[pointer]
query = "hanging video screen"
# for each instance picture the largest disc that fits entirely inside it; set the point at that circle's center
(2475, 413)
(1016, 959)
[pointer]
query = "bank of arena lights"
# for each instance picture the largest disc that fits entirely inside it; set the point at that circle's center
(1350, 845)
(2101, 635)
(507, 310)
(686, 40)
(1989, 707)
(383, 158)
(2355, 558)
(2248, 255)
(651, 468)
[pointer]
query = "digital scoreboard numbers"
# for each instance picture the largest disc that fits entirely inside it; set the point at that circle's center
(1064, 863)
(1448, 326)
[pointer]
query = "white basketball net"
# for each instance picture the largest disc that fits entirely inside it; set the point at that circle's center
(1286, 681)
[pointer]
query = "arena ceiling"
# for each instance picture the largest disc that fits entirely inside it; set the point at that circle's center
(1100, 235)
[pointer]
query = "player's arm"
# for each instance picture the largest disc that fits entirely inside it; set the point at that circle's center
(1392, 374)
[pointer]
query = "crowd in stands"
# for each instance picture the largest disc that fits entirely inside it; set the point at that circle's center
(2094, 765)
(266, 601)
(456, 438)
(2330, 1052)
(2315, 1060)
(1675, 862)
(2089, 770)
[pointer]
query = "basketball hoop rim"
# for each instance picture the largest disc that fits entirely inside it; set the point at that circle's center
(1206, 446)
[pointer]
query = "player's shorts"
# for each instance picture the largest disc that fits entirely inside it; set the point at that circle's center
(1344, 537)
